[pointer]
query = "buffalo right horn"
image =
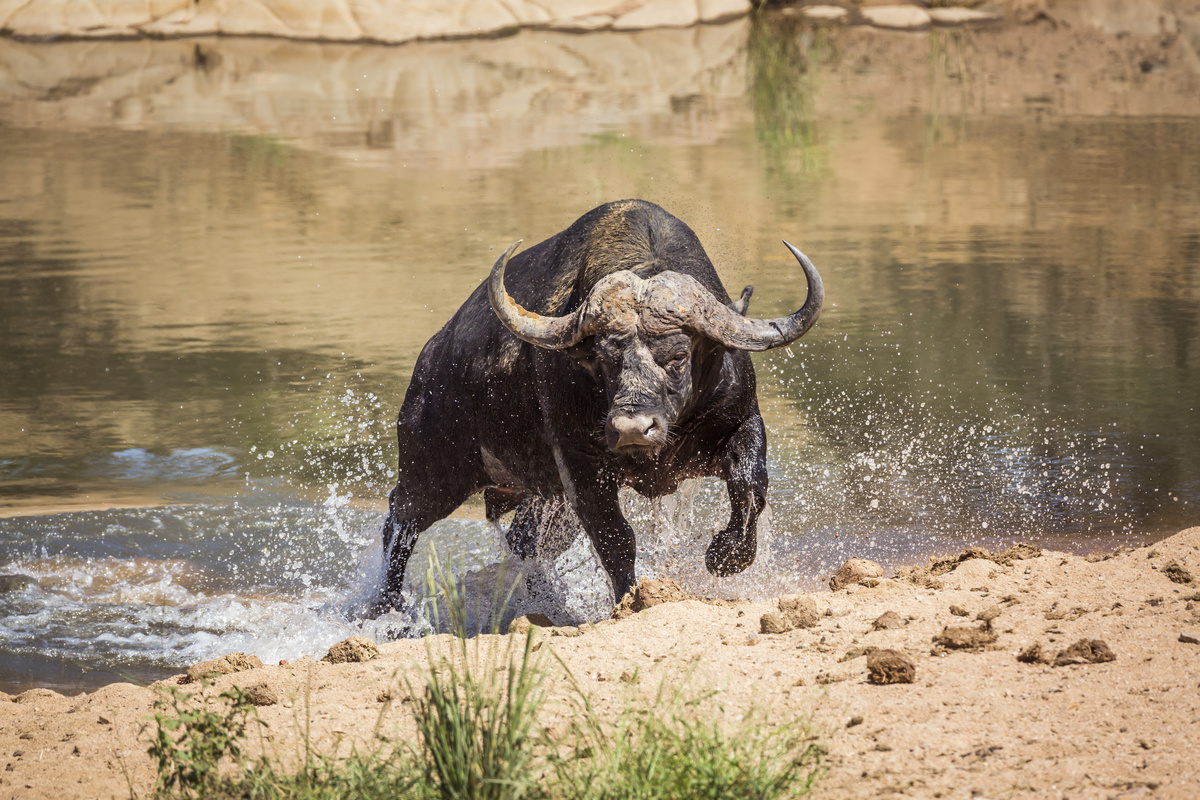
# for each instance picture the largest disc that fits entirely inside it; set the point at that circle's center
(723, 324)
(554, 333)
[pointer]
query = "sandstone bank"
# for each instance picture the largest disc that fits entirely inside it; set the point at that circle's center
(390, 21)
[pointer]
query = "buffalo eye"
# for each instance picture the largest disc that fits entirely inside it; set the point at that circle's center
(585, 355)
(676, 363)
(608, 354)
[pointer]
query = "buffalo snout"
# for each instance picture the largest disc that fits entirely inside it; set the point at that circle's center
(635, 431)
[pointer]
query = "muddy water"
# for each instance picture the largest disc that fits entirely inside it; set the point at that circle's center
(219, 261)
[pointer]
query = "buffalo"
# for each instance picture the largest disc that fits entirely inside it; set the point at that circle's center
(608, 355)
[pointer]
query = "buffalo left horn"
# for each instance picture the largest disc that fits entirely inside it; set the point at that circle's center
(554, 333)
(722, 324)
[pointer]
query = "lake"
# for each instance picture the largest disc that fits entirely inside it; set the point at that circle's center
(219, 259)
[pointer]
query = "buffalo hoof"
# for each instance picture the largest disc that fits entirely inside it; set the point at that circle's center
(731, 552)
(385, 602)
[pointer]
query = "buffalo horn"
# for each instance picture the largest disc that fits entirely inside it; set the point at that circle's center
(555, 333)
(725, 325)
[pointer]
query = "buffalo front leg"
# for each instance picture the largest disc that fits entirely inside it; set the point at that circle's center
(744, 460)
(399, 539)
(611, 535)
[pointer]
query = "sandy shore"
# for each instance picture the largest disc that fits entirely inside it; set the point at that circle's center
(975, 723)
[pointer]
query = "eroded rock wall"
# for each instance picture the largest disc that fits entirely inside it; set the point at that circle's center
(391, 21)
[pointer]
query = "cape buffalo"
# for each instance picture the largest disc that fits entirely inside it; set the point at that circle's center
(617, 360)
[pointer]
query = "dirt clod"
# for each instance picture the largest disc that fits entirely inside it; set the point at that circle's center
(36, 695)
(965, 637)
(856, 570)
(988, 614)
(1085, 651)
(857, 652)
(225, 665)
(923, 576)
(1034, 654)
(1055, 613)
(521, 625)
(887, 621)
(650, 592)
(799, 610)
(354, 649)
(890, 666)
(1017, 552)
(958, 611)
(772, 622)
(260, 694)
(1177, 573)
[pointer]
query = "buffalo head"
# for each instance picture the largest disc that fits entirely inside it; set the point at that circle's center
(642, 338)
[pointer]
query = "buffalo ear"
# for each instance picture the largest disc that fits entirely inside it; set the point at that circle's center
(742, 304)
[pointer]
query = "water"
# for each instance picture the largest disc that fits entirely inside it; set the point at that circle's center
(219, 261)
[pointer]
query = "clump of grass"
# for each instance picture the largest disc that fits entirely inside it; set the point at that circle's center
(477, 711)
(193, 733)
(676, 747)
(361, 776)
(476, 723)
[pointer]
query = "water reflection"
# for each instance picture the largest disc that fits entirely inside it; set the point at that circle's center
(220, 258)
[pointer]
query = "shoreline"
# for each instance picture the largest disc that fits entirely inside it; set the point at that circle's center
(976, 718)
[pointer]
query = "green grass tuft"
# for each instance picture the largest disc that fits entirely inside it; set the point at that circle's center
(193, 733)
(476, 722)
(677, 747)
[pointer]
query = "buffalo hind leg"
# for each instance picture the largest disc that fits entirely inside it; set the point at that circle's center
(407, 518)
(541, 527)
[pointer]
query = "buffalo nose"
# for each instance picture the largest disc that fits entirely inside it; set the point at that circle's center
(637, 429)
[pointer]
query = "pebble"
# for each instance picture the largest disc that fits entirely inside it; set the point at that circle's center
(960, 16)
(908, 18)
(828, 13)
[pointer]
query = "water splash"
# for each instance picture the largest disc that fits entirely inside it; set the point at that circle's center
(293, 562)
